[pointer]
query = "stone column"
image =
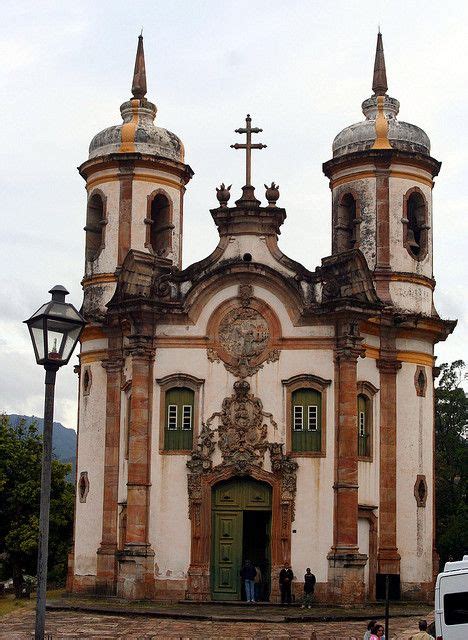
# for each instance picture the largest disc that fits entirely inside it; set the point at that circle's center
(346, 564)
(106, 578)
(136, 562)
(388, 556)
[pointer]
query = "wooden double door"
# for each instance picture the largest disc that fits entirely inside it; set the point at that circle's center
(241, 530)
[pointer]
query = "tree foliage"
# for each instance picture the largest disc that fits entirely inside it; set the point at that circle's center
(451, 463)
(20, 488)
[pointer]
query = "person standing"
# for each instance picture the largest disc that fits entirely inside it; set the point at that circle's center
(285, 579)
(309, 586)
(258, 581)
(377, 632)
(368, 632)
(422, 633)
(248, 574)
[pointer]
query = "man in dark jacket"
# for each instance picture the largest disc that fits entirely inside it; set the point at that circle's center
(285, 579)
(248, 573)
(309, 585)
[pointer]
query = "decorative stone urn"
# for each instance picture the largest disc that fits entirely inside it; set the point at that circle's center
(223, 194)
(272, 194)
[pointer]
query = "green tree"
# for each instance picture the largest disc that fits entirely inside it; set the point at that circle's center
(451, 458)
(20, 488)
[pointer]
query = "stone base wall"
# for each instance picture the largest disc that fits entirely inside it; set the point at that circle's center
(198, 584)
(136, 573)
(82, 584)
(170, 590)
(320, 593)
(346, 578)
(418, 591)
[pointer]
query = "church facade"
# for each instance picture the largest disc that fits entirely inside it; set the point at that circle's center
(245, 406)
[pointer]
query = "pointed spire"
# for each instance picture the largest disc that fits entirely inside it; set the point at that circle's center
(139, 74)
(379, 83)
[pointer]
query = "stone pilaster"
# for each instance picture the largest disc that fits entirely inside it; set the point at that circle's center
(126, 170)
(346, 564)
(136, 561)
(106, 578)
(388, 365)
(382, 197)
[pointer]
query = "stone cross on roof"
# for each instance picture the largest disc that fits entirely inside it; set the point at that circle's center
(248, 146)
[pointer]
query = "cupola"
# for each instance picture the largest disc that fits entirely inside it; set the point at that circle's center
(137, 133)
(361, 136)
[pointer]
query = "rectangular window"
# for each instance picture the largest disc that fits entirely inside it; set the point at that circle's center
(187, 417)
(298, 418)
(172, 417)
(362, 423)
(312, 417)
(456, 608)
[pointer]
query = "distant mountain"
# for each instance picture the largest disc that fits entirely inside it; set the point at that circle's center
(63, 440)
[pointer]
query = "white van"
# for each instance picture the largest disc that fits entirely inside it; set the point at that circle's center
(451, 601)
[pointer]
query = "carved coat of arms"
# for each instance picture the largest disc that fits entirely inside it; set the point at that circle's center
(243, 340)
(242, 436)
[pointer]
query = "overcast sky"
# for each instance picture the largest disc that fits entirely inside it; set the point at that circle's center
(301, 68)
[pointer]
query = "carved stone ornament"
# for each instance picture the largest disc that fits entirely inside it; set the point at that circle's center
(242, 436)
(242, 440)
(243, 338)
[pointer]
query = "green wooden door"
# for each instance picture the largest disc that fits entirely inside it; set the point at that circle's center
(227, 555)
(230, 500)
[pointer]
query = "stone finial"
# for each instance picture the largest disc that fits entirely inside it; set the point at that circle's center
(272, 194)
(381, 127)
(223, 194)
(379, 82)
(139, 73)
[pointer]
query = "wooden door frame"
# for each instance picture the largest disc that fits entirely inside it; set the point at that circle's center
(282, 508)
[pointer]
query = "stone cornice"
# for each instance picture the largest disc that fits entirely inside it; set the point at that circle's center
(381, 158)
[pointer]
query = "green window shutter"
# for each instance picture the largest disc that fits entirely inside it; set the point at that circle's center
(306, 420)
(178, 427)
(363, 425)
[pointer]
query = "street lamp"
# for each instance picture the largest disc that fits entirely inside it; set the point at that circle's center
(55, 329)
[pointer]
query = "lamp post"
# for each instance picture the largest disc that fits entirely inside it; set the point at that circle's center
(54, 329)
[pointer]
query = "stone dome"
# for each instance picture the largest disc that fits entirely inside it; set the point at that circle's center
(137, 134)
(361, 136)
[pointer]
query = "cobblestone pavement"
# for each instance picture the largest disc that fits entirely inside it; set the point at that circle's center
(64, 625)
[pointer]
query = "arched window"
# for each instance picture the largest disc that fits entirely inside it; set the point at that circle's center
(178, 431)
(95, 223)
(365, 421)
(363, 416)
(159, 220)
(415, 226)
(347, 224)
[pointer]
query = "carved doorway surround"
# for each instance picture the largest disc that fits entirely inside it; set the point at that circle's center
(242, 442)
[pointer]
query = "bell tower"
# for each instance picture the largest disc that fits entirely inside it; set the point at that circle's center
(381, 178)
(135, 179)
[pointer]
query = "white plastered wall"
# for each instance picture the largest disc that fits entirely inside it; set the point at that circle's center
(91, 444)
(363, 542)
(169, 522)
(414, 456)
(369, 472)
